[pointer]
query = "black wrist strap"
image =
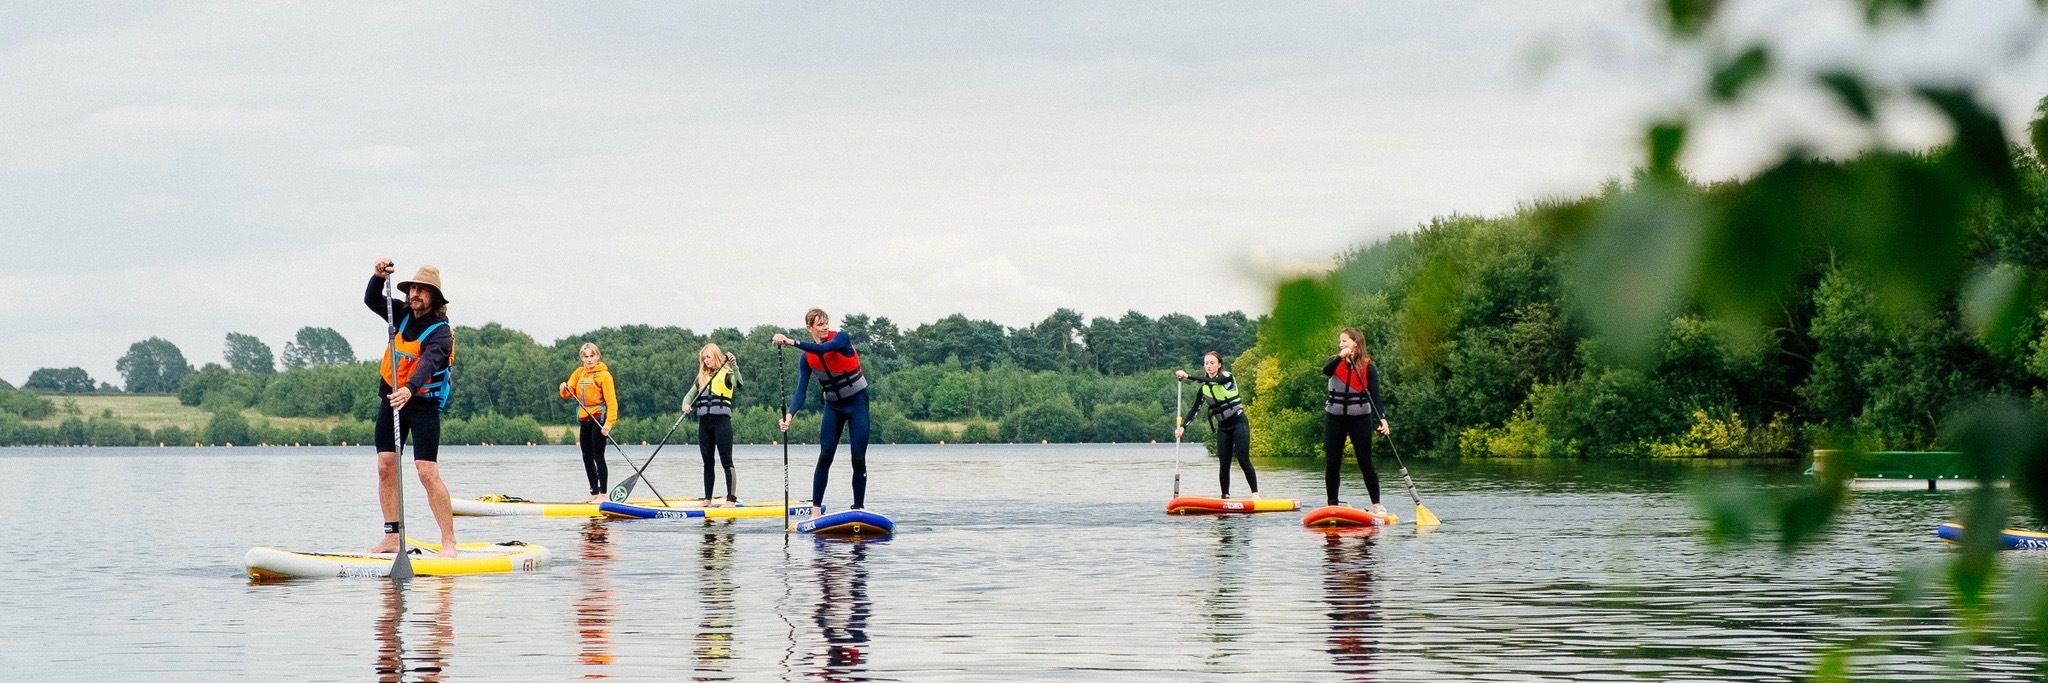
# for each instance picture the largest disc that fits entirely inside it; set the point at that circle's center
(394, 527)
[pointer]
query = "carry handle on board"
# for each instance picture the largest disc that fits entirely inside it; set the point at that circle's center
(401, 564)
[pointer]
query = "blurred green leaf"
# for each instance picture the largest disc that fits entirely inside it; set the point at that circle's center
(1806, 513)
(1980, 147)
(1734, 509)
(2038, 129)
(1998, 303)
(1627, 278)
(1855, 96)
(1759, 238)
(1999, 438)
(1732, 78)
(1833, 666)
(1876, 12)
(1901, 225)
(1427, 315)
(1688, 18)
(1304, 311)
(1567, 222)
(1666, 140)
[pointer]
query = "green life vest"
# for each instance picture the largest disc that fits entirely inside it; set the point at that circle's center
(1223, 401)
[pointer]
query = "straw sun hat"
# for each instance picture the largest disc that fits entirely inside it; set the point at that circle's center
(429, 276)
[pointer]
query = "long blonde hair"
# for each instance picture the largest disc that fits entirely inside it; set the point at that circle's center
(704, 373)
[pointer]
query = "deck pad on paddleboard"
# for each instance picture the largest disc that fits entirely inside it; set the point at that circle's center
(475, 558)
(1345, 516)
(500, 505)
(849, 523)
(630, 510)
(1196, 505)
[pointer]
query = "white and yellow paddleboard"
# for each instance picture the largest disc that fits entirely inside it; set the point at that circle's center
(500, 505)
(475, 558)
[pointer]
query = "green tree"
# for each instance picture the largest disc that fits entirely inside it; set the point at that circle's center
(153, 366)
(1129, 423)
(246, 353)
(24, 404)
(317, 346)
(107, 431)
(1056, 421)
(227, 427)
(71, 380)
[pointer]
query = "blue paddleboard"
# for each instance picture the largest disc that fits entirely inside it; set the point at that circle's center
(848, 523)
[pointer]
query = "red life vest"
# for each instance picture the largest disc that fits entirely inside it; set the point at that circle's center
(839, 376)
(1347, 391)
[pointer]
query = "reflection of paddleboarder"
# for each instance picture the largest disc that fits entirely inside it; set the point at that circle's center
(843, 611)
(1347, 589)
(595, 607)
(716, 592)
(394, 663)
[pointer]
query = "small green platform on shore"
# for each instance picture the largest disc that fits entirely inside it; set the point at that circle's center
(1899, 470)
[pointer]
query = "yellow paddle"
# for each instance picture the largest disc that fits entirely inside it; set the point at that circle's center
(1423, 517)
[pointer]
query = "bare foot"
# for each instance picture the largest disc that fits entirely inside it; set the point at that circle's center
(388, 545)
(447, 548)
(1255, 495)
(593, 500)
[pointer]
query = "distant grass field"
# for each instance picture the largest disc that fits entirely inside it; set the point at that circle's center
(156, 411)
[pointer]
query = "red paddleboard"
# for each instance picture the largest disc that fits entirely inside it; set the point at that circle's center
(1194, 505)
(1343, 516)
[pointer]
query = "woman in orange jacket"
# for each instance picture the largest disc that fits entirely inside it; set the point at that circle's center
(597, 408)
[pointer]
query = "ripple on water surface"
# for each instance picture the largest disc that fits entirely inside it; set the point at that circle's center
(1010, 563)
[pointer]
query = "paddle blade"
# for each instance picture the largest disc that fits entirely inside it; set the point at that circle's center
(624, 490)
(1423, 517)
(401, 566)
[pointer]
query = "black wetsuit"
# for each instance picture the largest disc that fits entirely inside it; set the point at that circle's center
(714, 430)
(1233, 432)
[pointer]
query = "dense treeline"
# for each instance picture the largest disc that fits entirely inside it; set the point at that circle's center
(1063, 379)
(1502, 362)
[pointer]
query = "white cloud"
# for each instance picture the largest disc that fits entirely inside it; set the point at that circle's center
(154, 118)
(379, 156)
(571, 166)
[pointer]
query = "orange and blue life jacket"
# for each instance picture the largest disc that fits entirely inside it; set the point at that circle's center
(405, 355)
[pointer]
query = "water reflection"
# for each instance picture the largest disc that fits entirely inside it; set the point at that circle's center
(1223, 611)
(843, 612)
(428, 660)
(1347, 590)
(716, 591)
(596, 606)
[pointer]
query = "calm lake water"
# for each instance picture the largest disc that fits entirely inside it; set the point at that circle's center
(1010, 563)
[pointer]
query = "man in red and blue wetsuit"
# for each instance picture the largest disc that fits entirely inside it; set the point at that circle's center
(845, 393)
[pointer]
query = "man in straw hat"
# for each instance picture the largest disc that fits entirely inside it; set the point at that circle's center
(416, 362)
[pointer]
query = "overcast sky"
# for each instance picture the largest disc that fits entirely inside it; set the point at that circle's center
(187, 170)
